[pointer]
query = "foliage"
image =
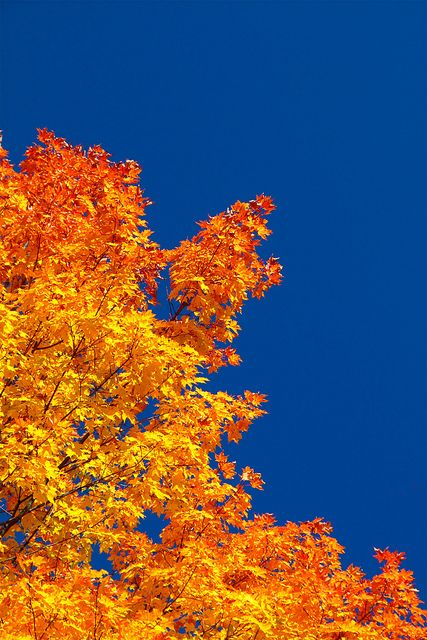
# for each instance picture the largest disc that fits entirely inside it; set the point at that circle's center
(105, 419)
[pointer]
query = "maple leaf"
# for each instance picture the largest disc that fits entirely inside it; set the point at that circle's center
(255, 480)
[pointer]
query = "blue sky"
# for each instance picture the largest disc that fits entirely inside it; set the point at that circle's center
(321, 105)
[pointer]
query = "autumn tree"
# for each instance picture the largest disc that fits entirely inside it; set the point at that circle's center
(106, 418)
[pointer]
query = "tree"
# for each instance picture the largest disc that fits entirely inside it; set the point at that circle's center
(105, 418)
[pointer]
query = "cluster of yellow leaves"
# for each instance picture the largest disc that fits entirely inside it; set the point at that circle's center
(104, 419)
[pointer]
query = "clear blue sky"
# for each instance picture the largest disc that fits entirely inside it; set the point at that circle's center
(322, 105)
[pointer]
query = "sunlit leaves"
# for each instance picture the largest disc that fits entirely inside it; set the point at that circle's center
(106, 419)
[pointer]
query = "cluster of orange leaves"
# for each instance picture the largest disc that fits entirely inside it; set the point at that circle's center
(105, 419)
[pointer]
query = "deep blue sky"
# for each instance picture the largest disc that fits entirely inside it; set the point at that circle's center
(322, 105)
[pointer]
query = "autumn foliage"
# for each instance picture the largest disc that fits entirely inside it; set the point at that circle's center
(106, 418)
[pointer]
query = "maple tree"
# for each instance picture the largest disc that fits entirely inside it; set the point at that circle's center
(106, 418)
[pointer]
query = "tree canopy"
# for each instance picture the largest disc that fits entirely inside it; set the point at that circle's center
(106, 418)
